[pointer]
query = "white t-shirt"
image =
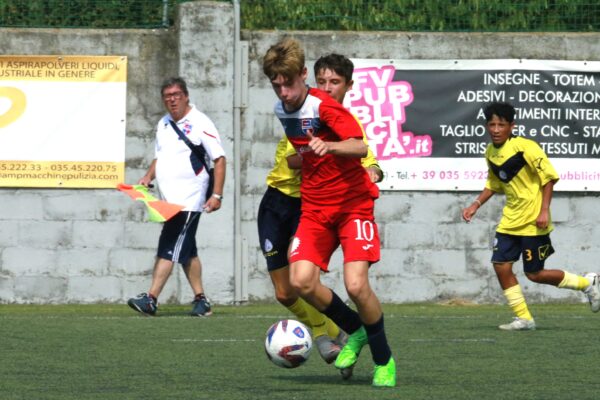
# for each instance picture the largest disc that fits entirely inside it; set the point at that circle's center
(177, 180)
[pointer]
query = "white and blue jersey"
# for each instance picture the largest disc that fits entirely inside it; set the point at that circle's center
(328, 180)
(181, 177)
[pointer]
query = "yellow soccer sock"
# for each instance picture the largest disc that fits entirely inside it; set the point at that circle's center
(299, 310)
(332, 329)
(516, 301)
(321, 324)
(310, 316)
(572, 281)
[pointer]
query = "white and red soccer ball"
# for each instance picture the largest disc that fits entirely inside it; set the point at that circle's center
(288, 343)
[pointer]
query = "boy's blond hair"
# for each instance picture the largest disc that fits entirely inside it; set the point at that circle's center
(285, 58)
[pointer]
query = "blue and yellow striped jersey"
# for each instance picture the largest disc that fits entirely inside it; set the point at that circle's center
(519, 169)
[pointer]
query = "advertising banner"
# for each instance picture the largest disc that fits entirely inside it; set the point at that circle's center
(62, 121)
(424, 118)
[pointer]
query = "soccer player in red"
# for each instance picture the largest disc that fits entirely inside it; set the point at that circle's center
(337, 208)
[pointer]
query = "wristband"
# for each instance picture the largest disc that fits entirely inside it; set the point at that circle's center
(217, 196)
(477, 201)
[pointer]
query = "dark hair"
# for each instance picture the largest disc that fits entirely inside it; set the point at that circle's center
(174, 81)
(503, 111)
(341, 65)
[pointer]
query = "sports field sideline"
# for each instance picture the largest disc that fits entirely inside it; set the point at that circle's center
(442, 351)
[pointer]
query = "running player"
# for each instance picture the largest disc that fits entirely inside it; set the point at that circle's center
(279, 213)
(520, 169)
(333, 74)
(337, 208)
(278, 216)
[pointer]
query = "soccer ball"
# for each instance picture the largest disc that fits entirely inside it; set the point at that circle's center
(288, 343)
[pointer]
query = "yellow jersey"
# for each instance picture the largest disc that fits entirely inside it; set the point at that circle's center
(519, 169)
(282, 177)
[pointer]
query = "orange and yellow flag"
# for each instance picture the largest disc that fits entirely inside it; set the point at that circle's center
(158, 210)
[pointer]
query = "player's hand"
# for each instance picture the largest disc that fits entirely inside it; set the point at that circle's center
(373, 174)
(318, 146)
(212, 204)
(469, 212)
(542, 220)
(145, 180)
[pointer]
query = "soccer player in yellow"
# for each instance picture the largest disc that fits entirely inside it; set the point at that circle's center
(520, 169)
(279, 213)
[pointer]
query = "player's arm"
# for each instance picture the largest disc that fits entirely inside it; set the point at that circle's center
(370, 164)
(538, 161)
(544, 216)
(294, 161)
(352, 147)
(213, 203)
(150, 175)
(345, 127)
(470, 211)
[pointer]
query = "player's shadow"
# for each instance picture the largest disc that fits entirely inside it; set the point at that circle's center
(323, 379)
(177, 311)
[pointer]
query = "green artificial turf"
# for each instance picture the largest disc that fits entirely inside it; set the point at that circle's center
(442, 352)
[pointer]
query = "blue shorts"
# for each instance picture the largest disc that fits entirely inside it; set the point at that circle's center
(535, 250)
(177, 240)
(278, 216)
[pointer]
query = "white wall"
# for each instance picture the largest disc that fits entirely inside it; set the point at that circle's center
(86, 246)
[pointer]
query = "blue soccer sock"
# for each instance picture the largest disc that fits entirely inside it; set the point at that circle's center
(380, 349)
(345, 317)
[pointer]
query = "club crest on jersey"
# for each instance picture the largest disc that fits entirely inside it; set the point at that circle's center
(268, 245)
(306, 126)
(187, 128)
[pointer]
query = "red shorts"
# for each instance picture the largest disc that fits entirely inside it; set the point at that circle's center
(321, 231)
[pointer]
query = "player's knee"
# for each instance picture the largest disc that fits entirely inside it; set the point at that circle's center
(301, 286)
(534, 276)
(357, 290)
(287, 296)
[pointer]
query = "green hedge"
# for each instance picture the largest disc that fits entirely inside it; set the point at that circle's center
(423, 15)
(86, 13)
(358, 15)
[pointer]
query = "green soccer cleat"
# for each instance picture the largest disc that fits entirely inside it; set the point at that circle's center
(349, 354)
(385, 375)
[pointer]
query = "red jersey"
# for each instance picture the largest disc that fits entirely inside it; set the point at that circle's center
(329, 180)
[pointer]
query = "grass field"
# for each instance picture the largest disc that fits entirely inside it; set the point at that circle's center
(442, 352)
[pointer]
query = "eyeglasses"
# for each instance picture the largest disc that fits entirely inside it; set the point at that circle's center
(175, 96)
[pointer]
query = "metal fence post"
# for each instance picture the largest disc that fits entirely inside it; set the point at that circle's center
(165, 17)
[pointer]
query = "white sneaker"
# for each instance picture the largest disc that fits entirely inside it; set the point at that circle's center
(519, 324)
(593, 291)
